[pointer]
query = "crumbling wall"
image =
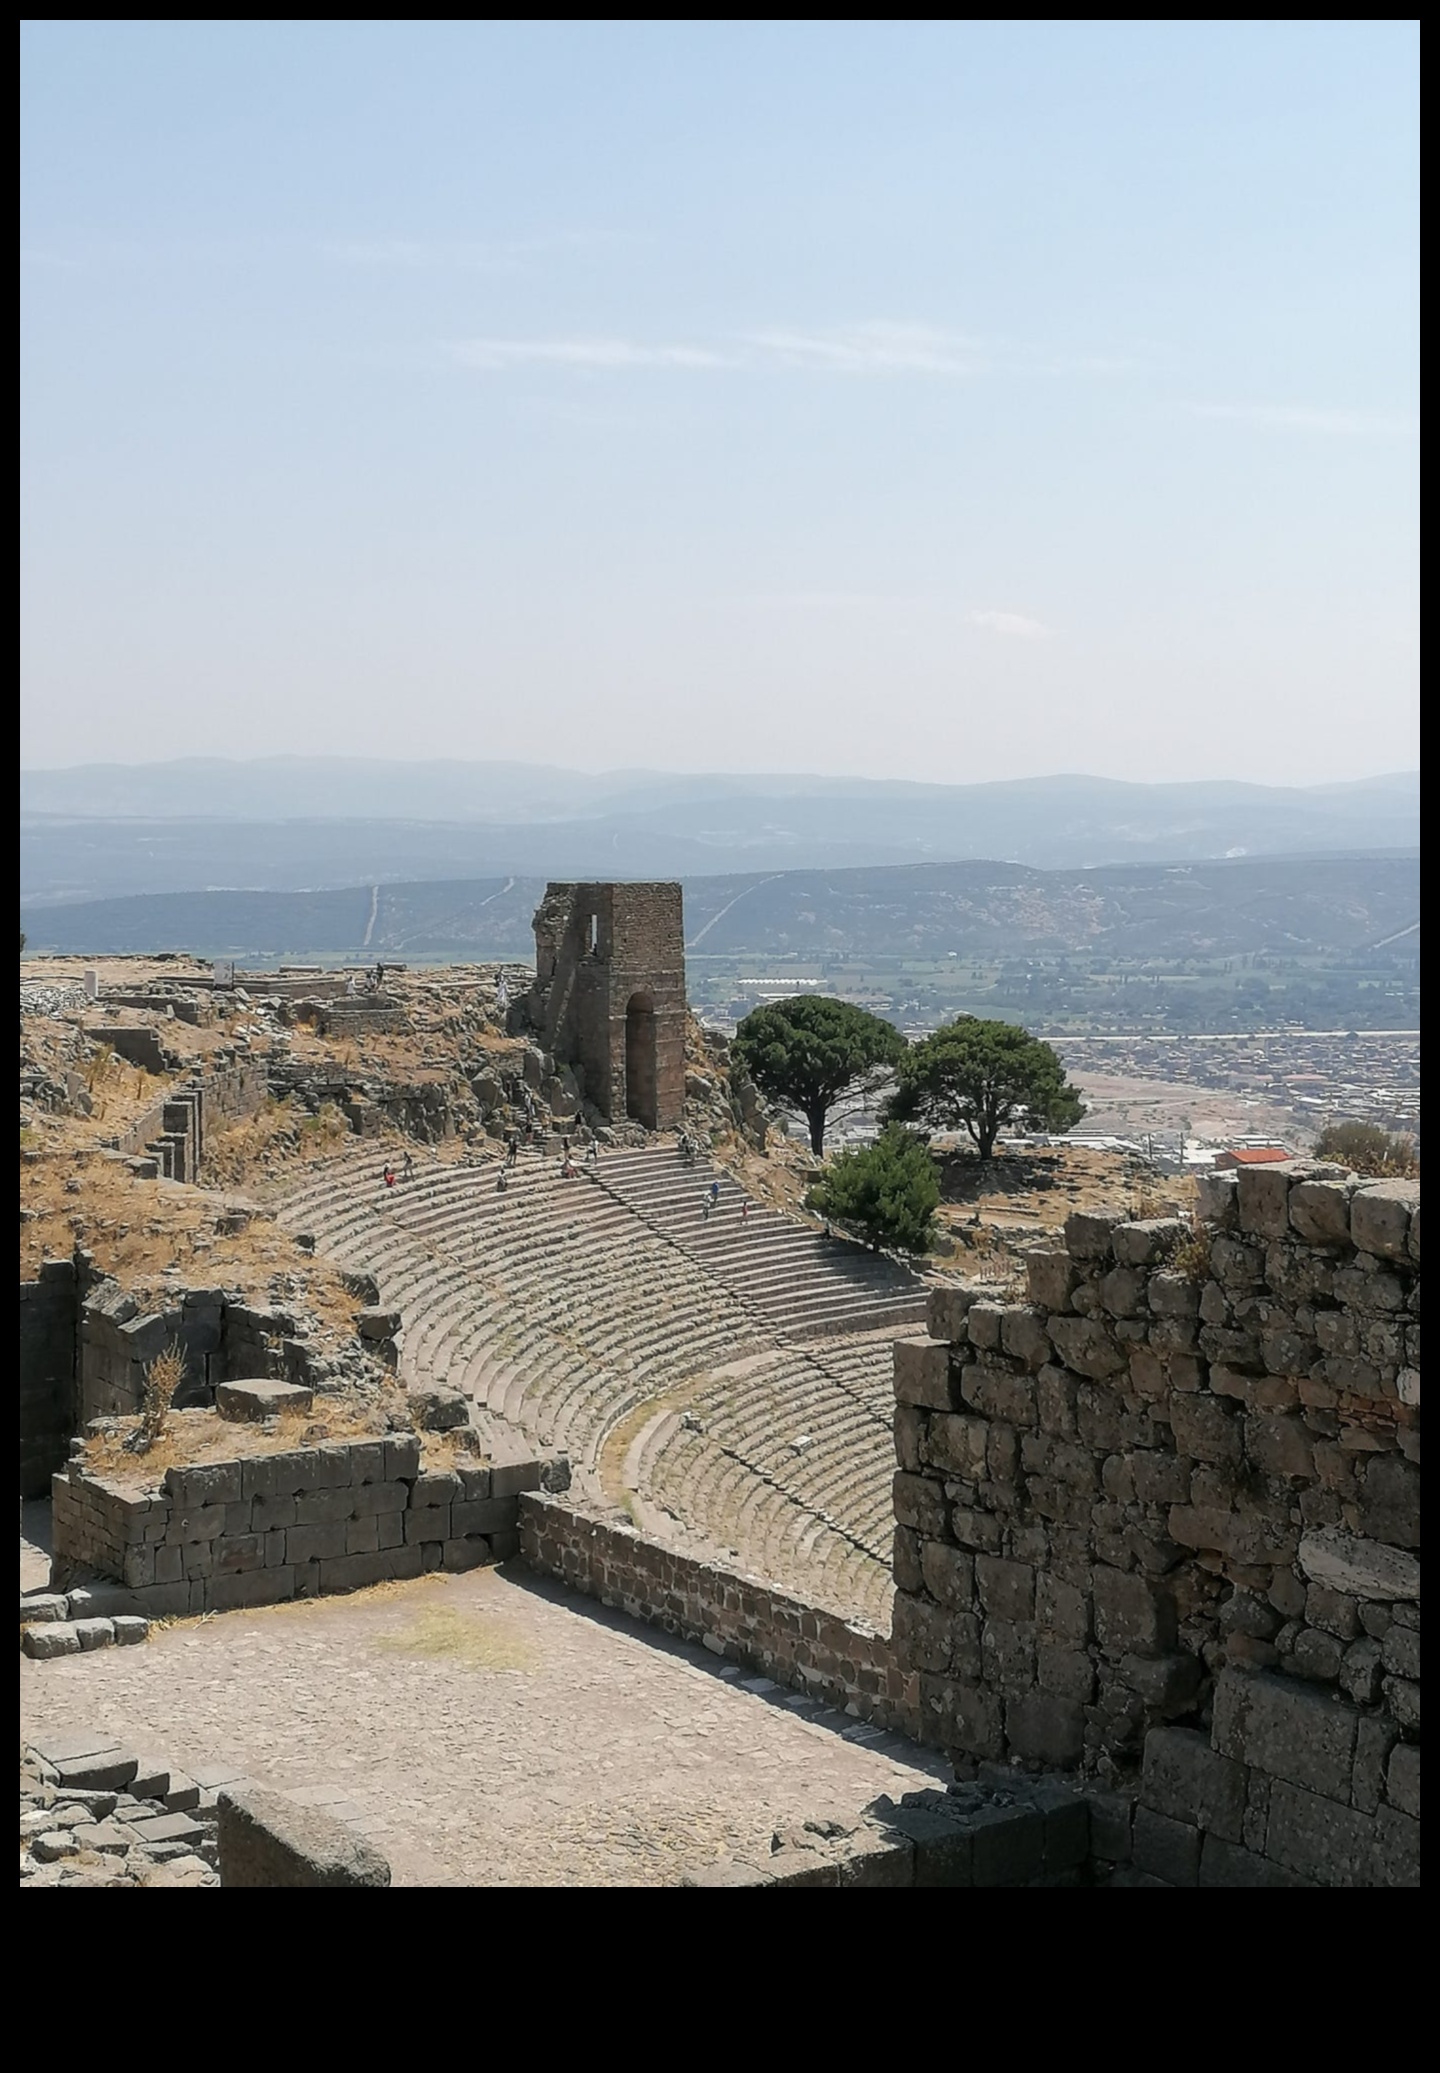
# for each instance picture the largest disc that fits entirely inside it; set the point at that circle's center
(1160, 1524)
(609, 995)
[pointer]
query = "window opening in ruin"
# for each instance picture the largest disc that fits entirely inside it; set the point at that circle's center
(641, 1074)
(594, 945)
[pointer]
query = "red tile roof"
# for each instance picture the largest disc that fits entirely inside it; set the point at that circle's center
(1265, 1155)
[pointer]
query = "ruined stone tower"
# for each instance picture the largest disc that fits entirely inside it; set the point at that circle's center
(609, 995)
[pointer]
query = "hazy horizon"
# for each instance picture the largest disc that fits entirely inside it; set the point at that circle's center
(952, 401)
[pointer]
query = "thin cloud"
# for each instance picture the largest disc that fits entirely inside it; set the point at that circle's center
(495, 355)
(1286, 417)
(878, 349)
(1013, 626)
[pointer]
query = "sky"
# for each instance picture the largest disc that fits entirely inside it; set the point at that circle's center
(944, 400)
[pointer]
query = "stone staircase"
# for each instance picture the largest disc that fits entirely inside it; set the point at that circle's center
(801, 1284)
(655, 1361)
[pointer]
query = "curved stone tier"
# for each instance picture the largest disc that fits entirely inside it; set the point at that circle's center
(605, 1315)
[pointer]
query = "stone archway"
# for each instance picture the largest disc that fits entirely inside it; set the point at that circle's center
(640, 1060)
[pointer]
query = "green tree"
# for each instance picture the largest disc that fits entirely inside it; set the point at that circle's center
(979, 1076)
(806, 1053)
(888, 1190)
(1366, 1148)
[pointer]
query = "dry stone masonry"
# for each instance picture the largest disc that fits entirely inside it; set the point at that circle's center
(1161, 1524)
(273, 1526)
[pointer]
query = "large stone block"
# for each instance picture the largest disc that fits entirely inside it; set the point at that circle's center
(272, 1586)
(948, 1574)
(315, 1543)
(191, 1488)
(943, 1849)
(1264, 1200)
(1318, 1838)
(1360, 1567)
(1006, 1589)
(922, 1376)
(1132, 1615)
(957, 1443)
(1147, 1241)
(1226, 1864)
(1189, 1781)
(266, 1840)
(964, 1716)
(1044, 1728)
(1380, 1213)
(1395, 1851)
(1216, 1199)
(1320, 1211)
(1008, 1847)
(1206, 1428)
(250, 1401)
(919, 1502)
(1165, 1848)
(1088, 1236)
(1402, 1779)
(402, 1457)
(1292, 1731)
(945, 1315)
(1051, 1278)
(1087, 1345)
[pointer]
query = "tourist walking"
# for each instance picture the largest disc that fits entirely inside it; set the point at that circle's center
(389, 1176)
(409, 1164)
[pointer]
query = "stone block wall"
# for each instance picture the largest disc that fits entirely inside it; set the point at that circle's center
(47, 1374)
(1161, 1522)
(799, 1645)
(255, 1531)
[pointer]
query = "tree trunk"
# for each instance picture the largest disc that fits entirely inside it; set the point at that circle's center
(815, 1117)
(985, 1136)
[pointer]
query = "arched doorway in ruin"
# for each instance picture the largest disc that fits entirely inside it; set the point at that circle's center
(640, 1061)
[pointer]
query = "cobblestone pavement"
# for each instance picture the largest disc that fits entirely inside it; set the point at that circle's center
(485, 1730)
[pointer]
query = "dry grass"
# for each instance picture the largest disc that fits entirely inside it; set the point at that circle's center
(193, 1439)
(139, 1231)
(1191, 1257)
(440, 1634)
(163, 1377)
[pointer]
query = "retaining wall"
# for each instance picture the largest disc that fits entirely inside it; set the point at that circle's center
(1161, 1524)
(331, 1517)
(798, 1644)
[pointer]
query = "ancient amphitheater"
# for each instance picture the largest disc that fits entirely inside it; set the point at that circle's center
(724, 1378)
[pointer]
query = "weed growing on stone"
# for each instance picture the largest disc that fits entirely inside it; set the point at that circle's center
(163, 1377)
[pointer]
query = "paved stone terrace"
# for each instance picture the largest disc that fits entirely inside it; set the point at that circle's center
(561, 1308)
(485, 1730)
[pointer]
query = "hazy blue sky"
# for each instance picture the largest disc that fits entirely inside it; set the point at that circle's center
(944, 400)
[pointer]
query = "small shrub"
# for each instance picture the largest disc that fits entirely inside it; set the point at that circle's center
(1191, 1255)
(163, 1377)
(1366, 1148)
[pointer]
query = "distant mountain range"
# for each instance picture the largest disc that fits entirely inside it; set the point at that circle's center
(1297, 906)
(292, 823)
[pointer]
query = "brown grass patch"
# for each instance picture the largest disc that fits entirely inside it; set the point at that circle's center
(443, 1634)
